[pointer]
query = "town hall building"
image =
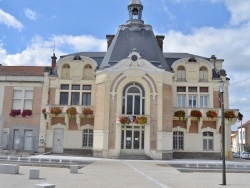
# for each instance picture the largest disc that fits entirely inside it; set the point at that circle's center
(133, 100)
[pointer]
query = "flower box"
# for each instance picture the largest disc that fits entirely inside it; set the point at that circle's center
(26, 113)
(71, 112)
(87, 111)
(196, 113)
(14, 113)
(141, 120)
(124, 120)
(180, 114)
(211, 114)
(55, 110)
(229, 114)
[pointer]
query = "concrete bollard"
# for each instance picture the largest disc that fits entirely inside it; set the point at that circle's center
(74, 169)
(9, 169)
(34, 174)
(45, 185)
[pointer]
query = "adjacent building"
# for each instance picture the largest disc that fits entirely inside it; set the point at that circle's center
(132, 100)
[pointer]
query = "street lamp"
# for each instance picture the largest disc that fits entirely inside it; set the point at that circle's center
(223, 132)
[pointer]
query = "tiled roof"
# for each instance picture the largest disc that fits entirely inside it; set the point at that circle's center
(21, 70)
(245, 124)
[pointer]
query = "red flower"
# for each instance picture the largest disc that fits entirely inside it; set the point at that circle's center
(196, 113)
(124, 120)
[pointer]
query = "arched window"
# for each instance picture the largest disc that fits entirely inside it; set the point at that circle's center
(178, 140)
(66, 71)
(203, 74)
(181, 73)
(208, 140)
(87, 72)
(133, 99)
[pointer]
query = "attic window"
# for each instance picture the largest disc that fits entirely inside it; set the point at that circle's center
(134, 58)
(192, 59)
(77, 57)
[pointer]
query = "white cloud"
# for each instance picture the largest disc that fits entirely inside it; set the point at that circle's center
(9, 20)
(239, 11)
(39, 50)
(166, 9)
(31, 14)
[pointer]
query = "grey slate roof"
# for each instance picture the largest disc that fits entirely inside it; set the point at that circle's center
(142, 40)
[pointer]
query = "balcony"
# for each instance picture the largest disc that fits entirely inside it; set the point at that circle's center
(132, 118)
(204, 112)
(65, 107)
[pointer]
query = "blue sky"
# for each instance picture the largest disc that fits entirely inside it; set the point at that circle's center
(29, 29)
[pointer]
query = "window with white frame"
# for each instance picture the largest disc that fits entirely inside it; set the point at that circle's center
(203, 74)
(192, 97)
(181, 73)
(22, 99)
(75, 94)
(203, 101)
(87, 138)
(192, 101)
(181, 101)
(208, 140)
(178, 140)
(133, 99)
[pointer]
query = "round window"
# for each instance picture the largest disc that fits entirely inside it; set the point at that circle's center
(134, 58)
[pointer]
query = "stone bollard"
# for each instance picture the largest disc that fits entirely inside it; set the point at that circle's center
(34, 174)
(74, 169)
(45, 185)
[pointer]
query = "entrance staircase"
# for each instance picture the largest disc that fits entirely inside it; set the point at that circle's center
(133, 157)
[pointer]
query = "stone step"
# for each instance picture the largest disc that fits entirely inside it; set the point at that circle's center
(134, 157)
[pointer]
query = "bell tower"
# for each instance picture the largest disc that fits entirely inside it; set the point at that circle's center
(135, 8)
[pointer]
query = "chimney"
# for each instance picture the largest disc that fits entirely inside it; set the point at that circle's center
(160, 39)
(109, 40)
(53, 62)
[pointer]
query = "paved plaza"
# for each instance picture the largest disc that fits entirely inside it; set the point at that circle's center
(122, 173)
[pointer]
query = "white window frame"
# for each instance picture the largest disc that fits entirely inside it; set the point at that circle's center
(181, 73)
(179, 138)
(204, 101)
(140, 94)
(81, 91)
(181, 100)
(193, 99)
(208, 139)
(203, 74)
(22, 98)
(89, 137)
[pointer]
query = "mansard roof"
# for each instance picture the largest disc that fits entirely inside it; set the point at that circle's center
(22, 70)
(140, 38)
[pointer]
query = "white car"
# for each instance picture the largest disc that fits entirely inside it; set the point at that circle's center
(236, 155)
(245, 155)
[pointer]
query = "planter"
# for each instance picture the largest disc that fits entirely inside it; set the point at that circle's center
(71, 112)
(196, 113)
(141, 120)
(211, 114)
(124, 120)
(27, 113)
(87, 111)
(56, 110)
(14, 113)
(229, 114)
(180, 114)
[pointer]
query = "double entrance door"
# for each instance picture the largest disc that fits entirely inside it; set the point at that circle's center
(132, 139)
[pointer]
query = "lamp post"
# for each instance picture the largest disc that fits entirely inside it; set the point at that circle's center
(223, 133)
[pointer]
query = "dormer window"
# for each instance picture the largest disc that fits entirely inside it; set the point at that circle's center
(87, 72)
(66, 71)
(181, 73)
(203, 74)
